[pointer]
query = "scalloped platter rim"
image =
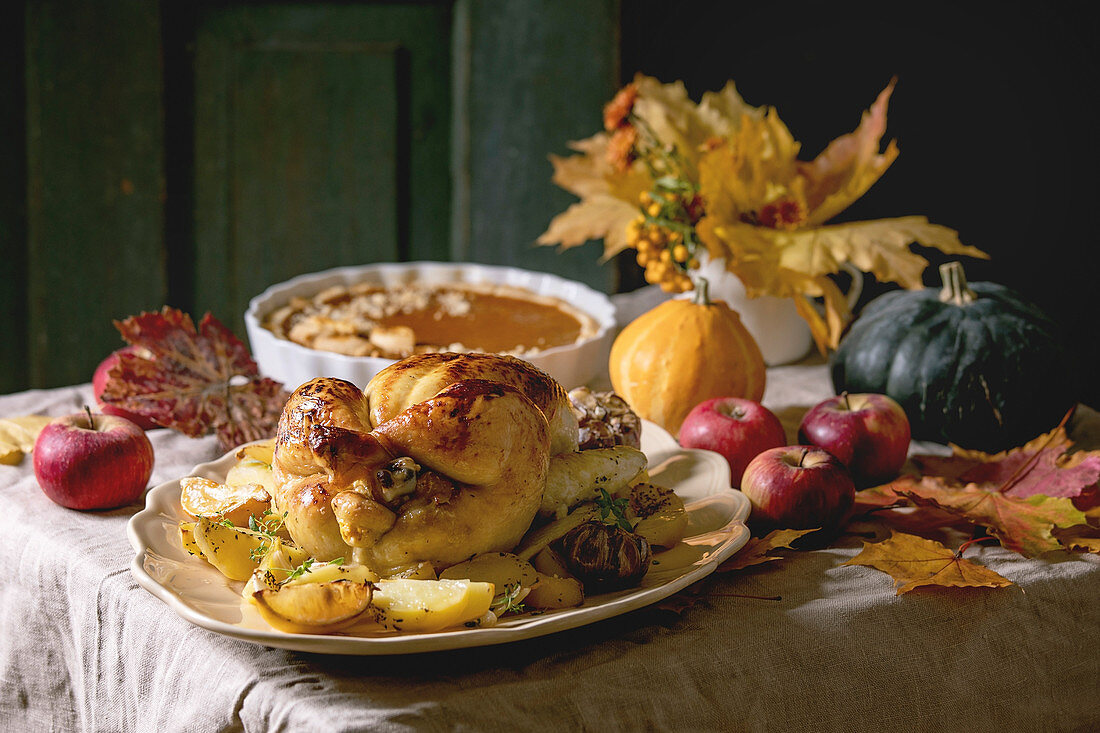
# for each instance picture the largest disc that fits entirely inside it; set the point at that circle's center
(202, 596)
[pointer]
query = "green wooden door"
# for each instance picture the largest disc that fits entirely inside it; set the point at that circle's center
(318, 131)
(193, 153)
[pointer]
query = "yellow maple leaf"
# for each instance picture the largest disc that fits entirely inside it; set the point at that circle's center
(790, 263)
(914, 561)
(850, 164)
(609, 199)
(17, 436)
(764, 212)
(677, 121)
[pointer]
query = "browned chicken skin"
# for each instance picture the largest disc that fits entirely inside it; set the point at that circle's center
(480, 446)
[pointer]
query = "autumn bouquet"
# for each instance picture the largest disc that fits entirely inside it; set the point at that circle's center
(682, 182)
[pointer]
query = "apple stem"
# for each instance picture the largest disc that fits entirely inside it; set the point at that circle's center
(802, 457)
(844, 395)
(91, 422)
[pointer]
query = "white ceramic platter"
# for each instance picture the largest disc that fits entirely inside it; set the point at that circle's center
(202, 595)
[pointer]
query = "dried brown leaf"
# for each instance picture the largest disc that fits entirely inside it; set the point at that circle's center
(756, 549)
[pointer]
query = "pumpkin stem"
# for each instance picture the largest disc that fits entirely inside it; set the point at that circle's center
(702, 292)
(955, 289)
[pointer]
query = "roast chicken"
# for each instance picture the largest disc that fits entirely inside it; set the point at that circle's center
(440, 457)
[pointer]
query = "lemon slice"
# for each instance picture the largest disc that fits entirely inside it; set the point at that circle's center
(430, 605)
(313, 608)
(201, 497)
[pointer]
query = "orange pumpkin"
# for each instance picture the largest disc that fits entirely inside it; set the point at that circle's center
(682, 352)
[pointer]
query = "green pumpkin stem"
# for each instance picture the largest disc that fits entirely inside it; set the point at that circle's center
(702, 294)
(955, 290)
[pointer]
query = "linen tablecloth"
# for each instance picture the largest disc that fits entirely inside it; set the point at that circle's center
(83, 647)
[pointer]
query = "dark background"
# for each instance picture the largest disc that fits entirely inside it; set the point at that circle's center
(993, 113)
(120, 173)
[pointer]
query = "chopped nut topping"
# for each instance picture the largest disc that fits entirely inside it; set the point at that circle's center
(360, 320)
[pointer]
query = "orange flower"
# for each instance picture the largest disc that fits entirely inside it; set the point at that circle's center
(616, 112)
(620, 149)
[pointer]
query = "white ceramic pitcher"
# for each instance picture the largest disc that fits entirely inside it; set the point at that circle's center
(782, 334)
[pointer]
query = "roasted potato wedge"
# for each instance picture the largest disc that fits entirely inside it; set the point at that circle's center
(502, 569)
(552, 591)
(251, 473)
(229, 549)
(658, 514)
(417, 571)
(547, 562)
(187, 538)
(282, 558)
(263, 452)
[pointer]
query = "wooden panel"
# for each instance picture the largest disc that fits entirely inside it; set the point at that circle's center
(95, 170)
(537, 75)
(13, 195)
(319, 130)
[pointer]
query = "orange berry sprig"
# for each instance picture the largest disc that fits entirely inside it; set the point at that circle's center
(664, 233)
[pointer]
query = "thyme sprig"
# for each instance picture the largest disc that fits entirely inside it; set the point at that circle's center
(510, 601)
(613, 510)
(267, 526)
(304, 568)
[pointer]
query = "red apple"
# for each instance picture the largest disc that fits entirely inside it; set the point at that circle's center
(798, 487)
(87, 461)
(99, 383)
(737, 428)
(869, 433)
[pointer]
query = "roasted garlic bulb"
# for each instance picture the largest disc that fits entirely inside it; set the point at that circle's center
(604, 556)
(605, 420)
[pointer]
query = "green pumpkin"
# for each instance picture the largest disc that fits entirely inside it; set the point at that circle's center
(977, 366)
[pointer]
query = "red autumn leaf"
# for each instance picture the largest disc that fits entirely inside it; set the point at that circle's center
(194, 380)
(1023, 525)
(915, 561)
(874, 499)
(1044, 466)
